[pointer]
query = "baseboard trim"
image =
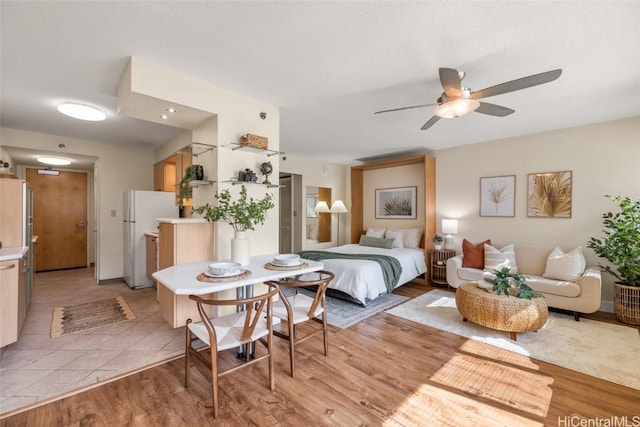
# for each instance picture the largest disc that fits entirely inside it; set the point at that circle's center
(607, 306)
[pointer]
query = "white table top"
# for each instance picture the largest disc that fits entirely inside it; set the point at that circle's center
(9, 253)
(182, 279)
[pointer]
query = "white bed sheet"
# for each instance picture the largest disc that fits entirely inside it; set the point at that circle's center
(363, 279)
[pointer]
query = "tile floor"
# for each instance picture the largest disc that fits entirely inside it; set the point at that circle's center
(38, 367)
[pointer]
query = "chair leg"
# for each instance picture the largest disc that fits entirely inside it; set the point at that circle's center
(214, 381)
(272, 378)
(292, 351)
(187, 355)
(324, 332)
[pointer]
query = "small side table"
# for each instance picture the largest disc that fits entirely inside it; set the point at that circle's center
(439, 265)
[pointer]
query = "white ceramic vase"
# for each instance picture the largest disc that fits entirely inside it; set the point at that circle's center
(240, 248)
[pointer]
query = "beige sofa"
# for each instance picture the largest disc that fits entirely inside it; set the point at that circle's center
(582, 296)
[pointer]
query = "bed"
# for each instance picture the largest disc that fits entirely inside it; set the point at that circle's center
(363, 279)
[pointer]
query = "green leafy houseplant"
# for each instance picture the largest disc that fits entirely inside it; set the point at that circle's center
(242, 214)
(504, 280)
(184, 187)
(621, 242)
(437, 239)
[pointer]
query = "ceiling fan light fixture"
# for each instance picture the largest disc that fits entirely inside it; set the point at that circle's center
(458, 108)
(82, 111)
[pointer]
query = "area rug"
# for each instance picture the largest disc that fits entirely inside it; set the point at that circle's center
(594, 348)
(343, 313)
(74, 318)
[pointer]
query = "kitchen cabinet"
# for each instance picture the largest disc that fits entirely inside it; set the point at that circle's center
(9, 301)
(181, 241)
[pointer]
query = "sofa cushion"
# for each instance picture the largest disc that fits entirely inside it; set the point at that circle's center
(470, 274)
(561, 266)
(497, 258)
(554, 287)
(473, 255)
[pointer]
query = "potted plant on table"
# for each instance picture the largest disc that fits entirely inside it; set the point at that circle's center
(437, 241)
(243, 214)
(505, 281)
(620, 245)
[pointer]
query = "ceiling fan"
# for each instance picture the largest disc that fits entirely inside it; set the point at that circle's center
(458, 101)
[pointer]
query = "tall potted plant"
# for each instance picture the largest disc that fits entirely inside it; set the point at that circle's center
(620, 245)
(243, 214)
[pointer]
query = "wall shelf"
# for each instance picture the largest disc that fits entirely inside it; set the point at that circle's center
(237, 146)
(236, 182)
(196, 149)
(198, 183)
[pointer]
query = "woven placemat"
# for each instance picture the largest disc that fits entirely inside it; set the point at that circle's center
(204, 278)
(270, 266)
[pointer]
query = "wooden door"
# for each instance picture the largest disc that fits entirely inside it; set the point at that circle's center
(59, 219)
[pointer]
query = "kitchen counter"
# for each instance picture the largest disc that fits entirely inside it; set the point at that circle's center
(12, 252)
(181, 220)
(155, 234)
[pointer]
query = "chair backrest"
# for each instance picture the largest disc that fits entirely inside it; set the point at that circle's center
(254, 306)
(324, 278)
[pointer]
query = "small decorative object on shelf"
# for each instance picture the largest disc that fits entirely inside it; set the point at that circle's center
(254, 141)
(266, 169)
(4, 167)
(439, 266)
(247, 175)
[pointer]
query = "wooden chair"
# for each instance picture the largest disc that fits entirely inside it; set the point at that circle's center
(235, 330)
(299, 308)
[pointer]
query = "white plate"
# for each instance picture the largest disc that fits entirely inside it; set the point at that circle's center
(218, 276)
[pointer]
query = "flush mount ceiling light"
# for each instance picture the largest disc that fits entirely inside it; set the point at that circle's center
(458, 108)
(56, 161)
(81, 111)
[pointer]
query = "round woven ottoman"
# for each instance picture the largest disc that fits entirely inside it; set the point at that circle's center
(500, 312)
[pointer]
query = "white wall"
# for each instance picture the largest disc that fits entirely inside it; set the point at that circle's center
(318, 173)
(604, 159)
(121, 168)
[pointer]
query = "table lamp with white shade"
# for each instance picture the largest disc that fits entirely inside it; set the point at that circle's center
(338, 207)
(449, 227)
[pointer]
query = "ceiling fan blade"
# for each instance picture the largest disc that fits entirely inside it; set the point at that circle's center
(513, 85)
(432, 121)
(494, 110)
(405, 108)
(450, 80)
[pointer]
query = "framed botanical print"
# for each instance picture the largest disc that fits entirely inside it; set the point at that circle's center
(396, 203)
(549, 194)
(498, 195)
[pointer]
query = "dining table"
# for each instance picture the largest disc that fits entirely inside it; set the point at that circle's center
(177, 282)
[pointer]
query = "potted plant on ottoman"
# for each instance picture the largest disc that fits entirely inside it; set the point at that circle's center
(621, 247)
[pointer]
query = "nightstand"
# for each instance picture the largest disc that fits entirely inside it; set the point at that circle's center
(439, 266)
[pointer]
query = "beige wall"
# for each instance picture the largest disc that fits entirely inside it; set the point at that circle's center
(401, 176)
(318, 173)
(120, 168)
(603, 157)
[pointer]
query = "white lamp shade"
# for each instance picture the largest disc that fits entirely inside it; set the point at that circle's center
(322, 207)
(338, 207)
(450, 226)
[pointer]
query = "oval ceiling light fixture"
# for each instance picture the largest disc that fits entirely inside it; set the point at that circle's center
(82, 111)
(56, 161)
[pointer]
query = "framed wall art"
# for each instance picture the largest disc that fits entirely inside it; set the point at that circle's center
(498, 195)
(396, 203)
(549, 194)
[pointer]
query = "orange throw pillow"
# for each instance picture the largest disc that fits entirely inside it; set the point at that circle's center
(473, 255)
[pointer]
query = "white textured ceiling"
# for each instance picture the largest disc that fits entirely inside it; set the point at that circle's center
(328, 65)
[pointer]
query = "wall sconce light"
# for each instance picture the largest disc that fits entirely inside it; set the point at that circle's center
(449, 227)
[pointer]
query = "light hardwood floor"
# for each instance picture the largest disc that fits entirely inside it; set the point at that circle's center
(382, 371)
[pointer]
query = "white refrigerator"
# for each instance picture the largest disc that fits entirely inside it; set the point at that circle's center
(141, 208)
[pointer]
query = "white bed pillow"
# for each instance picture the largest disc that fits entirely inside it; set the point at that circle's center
(397, 236)
(561, 266)
(497, 258)
(412, 237)
(375, 232)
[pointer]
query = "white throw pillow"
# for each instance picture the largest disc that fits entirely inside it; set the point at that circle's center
(397, 236)
(561, 266)
(497, 258)
(375, 232)
(412, 237)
